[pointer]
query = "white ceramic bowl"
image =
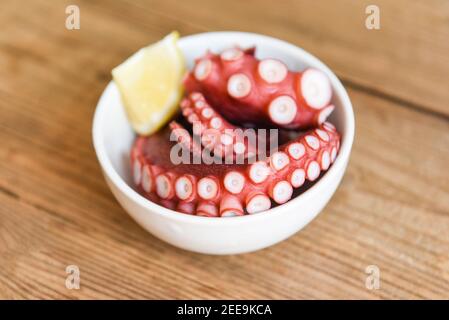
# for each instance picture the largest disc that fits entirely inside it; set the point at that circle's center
(113, 136)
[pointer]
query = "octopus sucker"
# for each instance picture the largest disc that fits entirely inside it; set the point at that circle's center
(186, 207)
(231, 206)
(203, 69)
(231, 54)
(315, 88)
(325, 113)
(147, 179)
(257, 202)
(207, 209)
(296, 150)
(297, 177)
(137, 172)
(226, 96)
(239, 85)
(313, 170)
(208, 188)
(312, 142)
(279, 160)
(322, 135)
(185, 187)
(325, 160)
(165, 186)
(272, 70)
(281, 191)
(234, 182)
(282, 110)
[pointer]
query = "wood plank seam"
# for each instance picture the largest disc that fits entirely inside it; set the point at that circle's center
(375, 92)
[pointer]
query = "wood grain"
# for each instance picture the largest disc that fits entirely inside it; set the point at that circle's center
(392, 209)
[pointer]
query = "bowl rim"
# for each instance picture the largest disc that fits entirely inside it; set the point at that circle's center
(331, 173)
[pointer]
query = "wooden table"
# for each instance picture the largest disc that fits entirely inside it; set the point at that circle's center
(391, 210)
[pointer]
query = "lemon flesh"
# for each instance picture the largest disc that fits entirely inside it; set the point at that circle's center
(150, 84)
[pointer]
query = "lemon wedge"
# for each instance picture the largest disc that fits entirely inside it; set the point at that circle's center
(150, 84)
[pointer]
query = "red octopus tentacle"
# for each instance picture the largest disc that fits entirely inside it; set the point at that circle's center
(261, 91)
(238, 189)
(216, 132)
(245, 91)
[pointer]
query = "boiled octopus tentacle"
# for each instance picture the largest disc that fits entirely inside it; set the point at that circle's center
(231, 190)
(228, 93)
(261, 92)
(217, 134)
